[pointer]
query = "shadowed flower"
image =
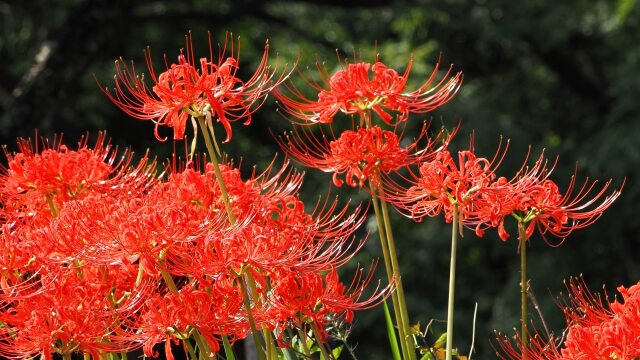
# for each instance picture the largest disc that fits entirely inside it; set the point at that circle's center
(361, 87)
(184, 90)
(301, 299)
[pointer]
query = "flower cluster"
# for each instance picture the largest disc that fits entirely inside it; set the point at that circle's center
(99, 256)
(596, 328)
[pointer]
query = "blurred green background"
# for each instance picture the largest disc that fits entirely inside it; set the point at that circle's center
(558, 75)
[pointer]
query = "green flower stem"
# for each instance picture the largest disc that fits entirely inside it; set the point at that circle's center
(452, 282)
(87, 356)
(66, 356)
(303, 339)
(52, 205)
(399, 288)
(209, 141)
(216, 168)
(252, 323)
(323, 349)
(171, 285)
(190, 349)
(524, 333)
(203, 347)
(389, 269)
(268, 339)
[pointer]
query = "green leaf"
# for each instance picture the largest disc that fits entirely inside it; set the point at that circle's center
(391, 333)
(428, 356)
(441, 342)
(288, 354)
(337, 351)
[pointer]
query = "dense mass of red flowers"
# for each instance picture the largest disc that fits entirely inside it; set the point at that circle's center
(103, 256)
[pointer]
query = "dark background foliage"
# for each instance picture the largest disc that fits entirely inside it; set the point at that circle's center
(563, 76)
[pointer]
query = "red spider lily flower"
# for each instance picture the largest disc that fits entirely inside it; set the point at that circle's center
(441, 184)
(82, 313)
(535, 200)
(596, 328)
(358, 154)
(184, 90)
(300, 299)
(214, 311)
(273, 231)
(361, 87)
(41, 181)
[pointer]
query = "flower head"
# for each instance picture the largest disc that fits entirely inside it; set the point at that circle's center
(213, 89)
(358, 154)
(538, 203)
(441, 184)
(361, 87)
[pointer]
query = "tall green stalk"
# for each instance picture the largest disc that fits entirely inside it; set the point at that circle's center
(389, 270)
(452, 282)
(210, 142)
(393, 271)
(524, 333)
(216, 168)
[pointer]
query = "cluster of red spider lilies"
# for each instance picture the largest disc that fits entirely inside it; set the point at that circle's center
(102, 254)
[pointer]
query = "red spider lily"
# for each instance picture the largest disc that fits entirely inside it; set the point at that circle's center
(596, 328)
(214, 310)
(359, 154)
(38, 182)
(299, 299)
(441, 184)
(361, 87)
(273, 231)
(183, 90)
(82, 313)
(533, 199)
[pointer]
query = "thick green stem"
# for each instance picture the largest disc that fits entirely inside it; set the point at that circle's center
(389, 269)
(203, 347)
(216, 169)
(452, 282)
(303, 339)
(524, 334)
(404, 314)
(323, 349)
(389, 250)
(190, 349)
(52, 205)
(252, 323)
(266, 334)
